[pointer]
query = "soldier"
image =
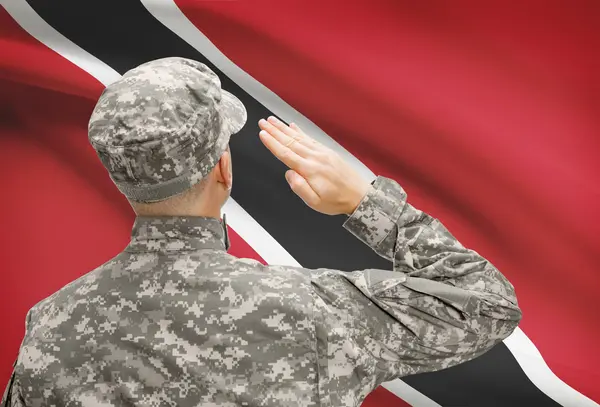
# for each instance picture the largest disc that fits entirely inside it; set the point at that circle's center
(174, 320)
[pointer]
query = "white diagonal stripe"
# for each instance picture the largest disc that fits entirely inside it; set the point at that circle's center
(409, 394)
(531, 361)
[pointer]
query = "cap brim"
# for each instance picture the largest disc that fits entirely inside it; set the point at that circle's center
(233, 112)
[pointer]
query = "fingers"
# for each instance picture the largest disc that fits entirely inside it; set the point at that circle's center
(283, 153)
(306, 139)
(293, 131)
(294, 126)
(301, 188)
(278, 124)
(285, 135)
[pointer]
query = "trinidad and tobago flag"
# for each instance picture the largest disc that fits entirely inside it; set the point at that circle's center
(489, 116)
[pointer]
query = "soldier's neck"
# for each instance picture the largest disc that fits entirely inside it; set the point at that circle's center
(203, 209)
(207, 204)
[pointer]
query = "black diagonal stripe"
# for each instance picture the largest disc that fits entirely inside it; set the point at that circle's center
(123, 34)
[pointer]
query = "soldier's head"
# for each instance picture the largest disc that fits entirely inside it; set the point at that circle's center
(162, 131)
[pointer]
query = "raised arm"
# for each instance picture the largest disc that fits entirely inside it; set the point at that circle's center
(441, 305)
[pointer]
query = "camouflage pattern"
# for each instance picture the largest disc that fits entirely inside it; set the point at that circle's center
(174, 320)
(163, 126)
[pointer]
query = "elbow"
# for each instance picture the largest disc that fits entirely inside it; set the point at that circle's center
(498, 322)
(516, 314)
(509, 313)
(514, 318)
(485, 332)
(498, 309)
(505, 327)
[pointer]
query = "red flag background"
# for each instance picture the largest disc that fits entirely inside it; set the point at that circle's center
(489, 116)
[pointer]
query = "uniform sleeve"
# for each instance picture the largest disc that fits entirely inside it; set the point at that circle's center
(441, 305)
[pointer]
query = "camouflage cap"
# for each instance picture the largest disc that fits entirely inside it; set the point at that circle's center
(163, 126)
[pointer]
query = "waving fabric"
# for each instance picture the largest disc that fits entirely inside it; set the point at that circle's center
(488, 117)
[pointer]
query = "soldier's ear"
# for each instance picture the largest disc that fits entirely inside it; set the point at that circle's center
(225, 175)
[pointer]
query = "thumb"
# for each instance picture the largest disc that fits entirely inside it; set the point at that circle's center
(301, 188)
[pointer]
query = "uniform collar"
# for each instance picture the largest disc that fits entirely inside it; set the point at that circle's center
(178, 233)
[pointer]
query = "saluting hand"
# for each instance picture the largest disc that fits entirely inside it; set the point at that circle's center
(318, 175)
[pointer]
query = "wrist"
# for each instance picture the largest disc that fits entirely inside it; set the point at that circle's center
(358, 196)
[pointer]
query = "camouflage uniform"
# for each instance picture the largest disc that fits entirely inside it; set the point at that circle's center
(174, 320)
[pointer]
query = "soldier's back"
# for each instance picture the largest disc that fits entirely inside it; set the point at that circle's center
(172, 328)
